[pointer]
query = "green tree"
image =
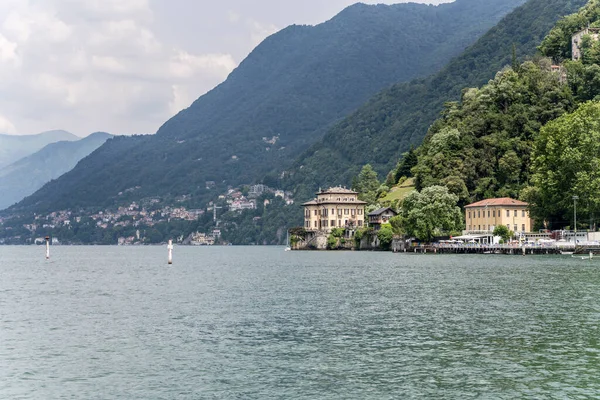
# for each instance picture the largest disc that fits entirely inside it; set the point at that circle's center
(566, 163)
(385, 236)
(503, 232)
(367, 184)
(409, 160)
(430, 213)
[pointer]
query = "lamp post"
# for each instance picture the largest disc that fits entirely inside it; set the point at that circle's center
(575, 198)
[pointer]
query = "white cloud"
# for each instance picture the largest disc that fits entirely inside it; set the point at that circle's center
(126, 66)
(6, 126)
(8, 51)
(87, 65)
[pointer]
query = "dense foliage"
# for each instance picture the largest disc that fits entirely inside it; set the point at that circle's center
(396, 118)
(566, 164)
(279, 101)
(429, 213)
(481, 147)
(557, 44)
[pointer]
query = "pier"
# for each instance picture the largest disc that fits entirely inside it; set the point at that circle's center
(504, 249)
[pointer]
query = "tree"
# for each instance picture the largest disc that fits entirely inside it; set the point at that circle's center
(367, 184)
(430, 213)
(385, 236)
(503, 232)
(566, 163)
(409, 160)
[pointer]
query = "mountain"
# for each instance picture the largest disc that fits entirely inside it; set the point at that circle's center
(393, 120)
(27, 175)
(280, 100)
(15, 147)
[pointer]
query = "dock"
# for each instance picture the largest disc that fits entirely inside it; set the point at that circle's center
(503, 249)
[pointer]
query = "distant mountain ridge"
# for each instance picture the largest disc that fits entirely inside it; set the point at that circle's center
(15, 147)
(24, 177)
(280, 100)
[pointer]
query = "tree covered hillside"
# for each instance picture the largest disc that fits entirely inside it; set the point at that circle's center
(531, 133)
(281, 99)
(380, 131)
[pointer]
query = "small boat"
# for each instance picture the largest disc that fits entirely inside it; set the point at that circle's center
(567, 253)
(287, 241)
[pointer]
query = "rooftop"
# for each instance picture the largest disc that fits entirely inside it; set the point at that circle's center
(337, 190)
(504, 201)
(380, 211)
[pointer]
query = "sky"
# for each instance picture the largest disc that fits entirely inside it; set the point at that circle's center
(126, 66)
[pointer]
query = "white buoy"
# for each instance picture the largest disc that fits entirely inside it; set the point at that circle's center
(170, 247)
(47, 247)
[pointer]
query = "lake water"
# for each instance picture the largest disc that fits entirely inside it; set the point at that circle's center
(261, 323)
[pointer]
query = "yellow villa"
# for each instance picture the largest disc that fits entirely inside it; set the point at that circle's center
(484, 216)
(334, 208)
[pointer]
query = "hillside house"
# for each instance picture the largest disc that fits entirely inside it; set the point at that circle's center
(380, 217)
(577, 39)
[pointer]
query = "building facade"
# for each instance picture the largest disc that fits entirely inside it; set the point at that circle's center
(577, 39)
(380, 217)
(484, 216)
(334, 208)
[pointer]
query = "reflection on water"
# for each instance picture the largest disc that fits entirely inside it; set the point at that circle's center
(261, 323)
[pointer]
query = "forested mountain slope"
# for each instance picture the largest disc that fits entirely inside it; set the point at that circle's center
(380, 131)
(15, 147)
(280, 100)
(27, 175)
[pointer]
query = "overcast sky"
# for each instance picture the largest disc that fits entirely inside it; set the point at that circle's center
(126, 66)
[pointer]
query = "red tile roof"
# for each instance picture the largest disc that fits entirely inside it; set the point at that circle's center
(505, 201)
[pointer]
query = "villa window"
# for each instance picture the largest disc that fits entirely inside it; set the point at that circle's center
(332, 223)
(489, 213)
(523, 213)
(494, 213)
(523, 228)
(515, 213)
(346, 211)
(353, 212)
(516, 227)
(469, 214)
(316, 226)
(332, 211)
(360, 223)
(478, 213)
(508, 215)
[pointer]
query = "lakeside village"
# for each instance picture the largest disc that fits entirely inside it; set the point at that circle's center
(138, 222)
(335, 219)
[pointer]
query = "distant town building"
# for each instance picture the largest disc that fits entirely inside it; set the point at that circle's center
(334, 208)
(256, 190)
(484, 216)
(577, 40)
(380, 217)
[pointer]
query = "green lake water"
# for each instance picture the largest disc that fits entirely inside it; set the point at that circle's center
(261, 323)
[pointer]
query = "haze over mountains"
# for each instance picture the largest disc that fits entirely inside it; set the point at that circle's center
(280, 100)
(15, 147)
(24, 177)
